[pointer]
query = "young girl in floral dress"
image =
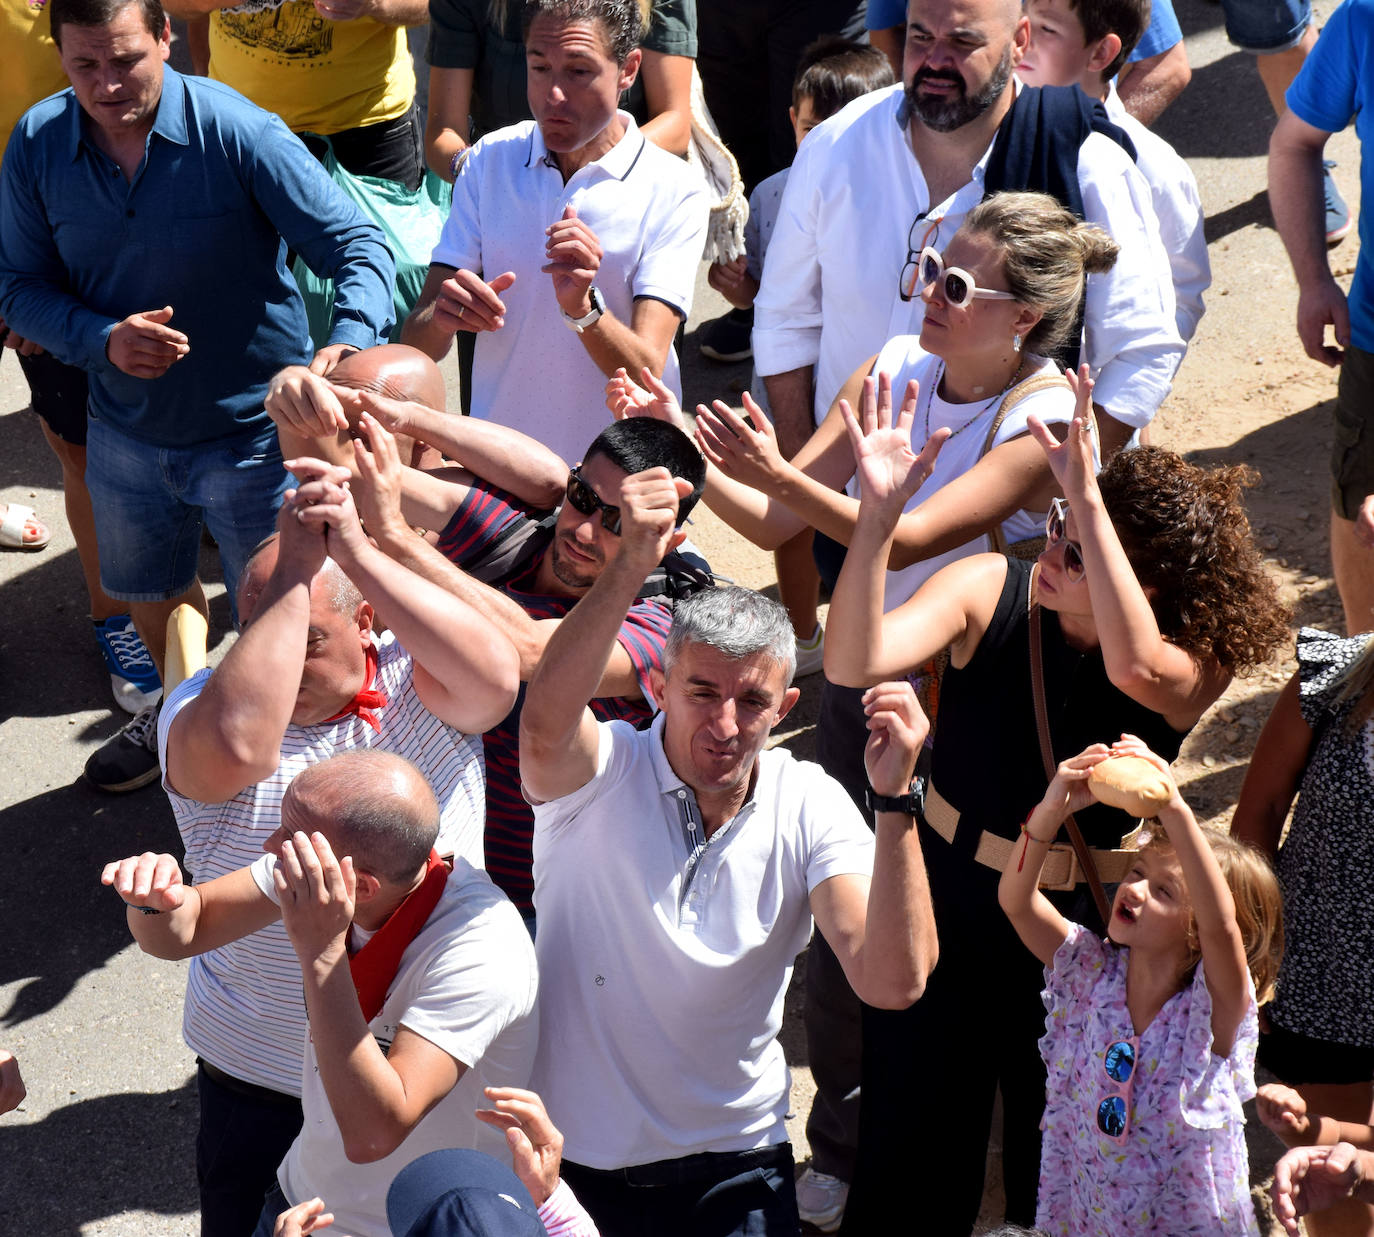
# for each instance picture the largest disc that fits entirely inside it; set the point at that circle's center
(1150, 1038)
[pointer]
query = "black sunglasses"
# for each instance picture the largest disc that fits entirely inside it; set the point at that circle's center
(586, 500)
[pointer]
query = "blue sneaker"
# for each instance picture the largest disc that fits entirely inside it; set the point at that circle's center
(133, 676)
(1338, 221)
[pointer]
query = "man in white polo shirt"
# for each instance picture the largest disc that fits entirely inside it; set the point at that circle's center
(573, 244)
(305, 680)
(677, 871)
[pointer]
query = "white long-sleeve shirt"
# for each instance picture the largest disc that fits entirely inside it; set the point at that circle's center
(1173, 189)
(830, 296)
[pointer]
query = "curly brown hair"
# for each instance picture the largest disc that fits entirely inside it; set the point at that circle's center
(1185, 531)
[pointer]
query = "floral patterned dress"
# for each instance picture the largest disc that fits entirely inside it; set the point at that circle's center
(1182, 1167)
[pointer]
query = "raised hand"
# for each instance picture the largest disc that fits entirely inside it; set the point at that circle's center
(377, 491)
(305, 404)
(744, 448)
(648, 516)
(1068, 790)
(536, 1146)
(626, 398)
(890, 471)
(307, 1217)
(897, 728)
(147, 880)
(574, 256)
(316, 893)
(1073, 461)
(324, 504)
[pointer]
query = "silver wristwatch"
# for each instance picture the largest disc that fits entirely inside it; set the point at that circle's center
(598, 308)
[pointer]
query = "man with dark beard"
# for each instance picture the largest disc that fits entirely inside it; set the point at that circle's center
(894, 173)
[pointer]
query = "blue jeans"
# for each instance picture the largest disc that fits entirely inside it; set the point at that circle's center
(714, 1194)
(1262, 26)
(272, 1206)
(245, 1133)
(150, 501)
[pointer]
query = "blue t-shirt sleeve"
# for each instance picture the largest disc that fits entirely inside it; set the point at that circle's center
(1324, 93)
(883, 14)
(1162, 33)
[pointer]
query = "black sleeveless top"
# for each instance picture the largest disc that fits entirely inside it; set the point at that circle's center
(986, 759)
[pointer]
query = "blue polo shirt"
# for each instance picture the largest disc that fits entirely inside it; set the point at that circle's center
(203, 226)
(1328, 91)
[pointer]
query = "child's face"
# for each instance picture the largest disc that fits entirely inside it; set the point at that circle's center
(1058, 54)
(1151, 909)
(803, 118)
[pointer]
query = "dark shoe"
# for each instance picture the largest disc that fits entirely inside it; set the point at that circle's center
(727, 338)
(129, 760)
(1338, 221)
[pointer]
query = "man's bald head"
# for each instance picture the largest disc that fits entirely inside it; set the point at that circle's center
(372, 805)
(397, 371)
(341, 594)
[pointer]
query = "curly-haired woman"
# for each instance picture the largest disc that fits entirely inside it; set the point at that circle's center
(1148, 599)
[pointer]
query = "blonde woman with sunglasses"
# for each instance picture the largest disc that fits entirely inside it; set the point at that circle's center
(1149, 596)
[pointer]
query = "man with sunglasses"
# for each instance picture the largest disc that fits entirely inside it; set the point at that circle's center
(513, 543)
(894, 175)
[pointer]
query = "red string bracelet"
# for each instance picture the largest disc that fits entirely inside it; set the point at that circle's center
(1029, 837)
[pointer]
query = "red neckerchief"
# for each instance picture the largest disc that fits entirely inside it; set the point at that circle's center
(374, 966)
(366, 700)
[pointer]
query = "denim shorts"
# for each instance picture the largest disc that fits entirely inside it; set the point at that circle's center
(1262, 26)
(150, 502)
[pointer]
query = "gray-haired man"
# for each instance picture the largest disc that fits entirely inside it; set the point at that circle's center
(676, 873)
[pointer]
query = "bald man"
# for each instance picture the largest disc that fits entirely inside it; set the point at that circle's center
(308, 679)
(420, 982)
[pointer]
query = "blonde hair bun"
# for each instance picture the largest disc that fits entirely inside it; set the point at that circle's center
(1131, 783)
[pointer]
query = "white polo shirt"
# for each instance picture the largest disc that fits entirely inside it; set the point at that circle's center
(662, 977)
(467, 984)
(649, 213)
(1173, 189)
(840, 243)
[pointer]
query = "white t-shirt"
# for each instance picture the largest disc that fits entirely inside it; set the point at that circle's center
(467, 983)
(904, 359)
(649, 214)
(243, 1009)
(1173, 189)
(830, 292)
(663, 980)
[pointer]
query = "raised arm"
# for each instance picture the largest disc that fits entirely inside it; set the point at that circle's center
(230, 735)
(883, 930)
(467, 672)
(1275, 771)
(558, 734)
(183, 920)
(1214, 910)
(1139, 661)
(376, 1098)
(1037, 921)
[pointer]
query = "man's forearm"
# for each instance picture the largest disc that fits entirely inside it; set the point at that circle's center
(791, 397)
(900, 946)
(168, 934)
(458, 646)
(614, 345)
(1295, 197)
(499, 455)
(399, 12)
(423, 332)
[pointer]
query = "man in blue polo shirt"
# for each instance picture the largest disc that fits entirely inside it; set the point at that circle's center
(145, 218)
(1333, 87)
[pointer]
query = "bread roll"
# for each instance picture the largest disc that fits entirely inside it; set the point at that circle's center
(1131, 783)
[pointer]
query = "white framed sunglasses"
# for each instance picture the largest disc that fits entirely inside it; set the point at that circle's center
(958, 286)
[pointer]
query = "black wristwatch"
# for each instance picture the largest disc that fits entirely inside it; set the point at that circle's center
(909, 804)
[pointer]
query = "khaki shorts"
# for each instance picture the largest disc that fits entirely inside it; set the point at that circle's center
(1352, 451)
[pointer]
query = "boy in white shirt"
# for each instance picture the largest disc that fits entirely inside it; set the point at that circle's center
(1085, 43)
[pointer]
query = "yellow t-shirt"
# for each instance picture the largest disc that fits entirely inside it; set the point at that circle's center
(31, 69)
(316, 74)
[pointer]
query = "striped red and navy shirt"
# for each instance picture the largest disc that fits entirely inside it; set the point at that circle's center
(484, 515)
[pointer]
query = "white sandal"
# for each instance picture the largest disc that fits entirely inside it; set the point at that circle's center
(17, 518)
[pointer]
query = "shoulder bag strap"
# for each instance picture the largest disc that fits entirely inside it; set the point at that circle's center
(1040, 382)
(1042, 726)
